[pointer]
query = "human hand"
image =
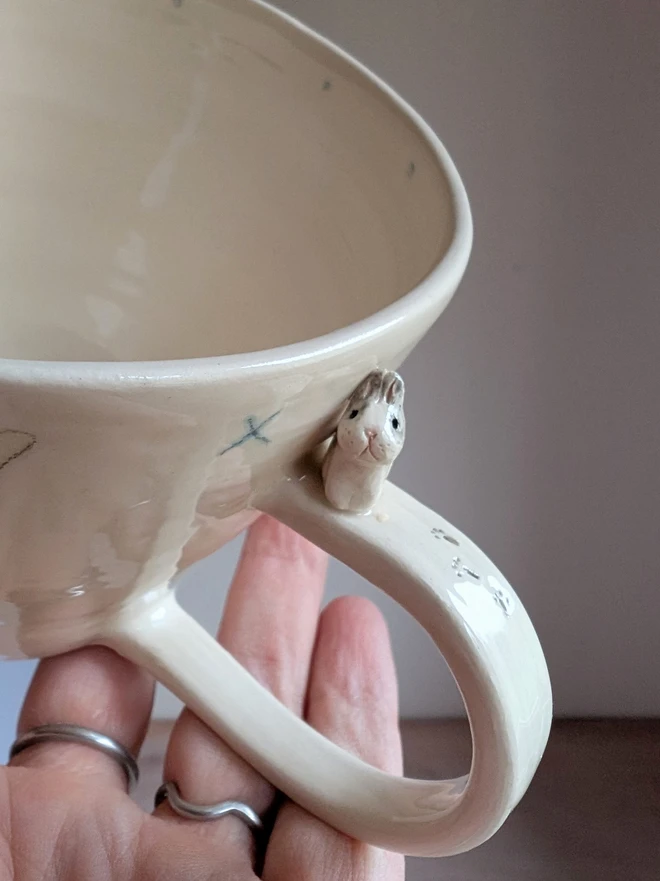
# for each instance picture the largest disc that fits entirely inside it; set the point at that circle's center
(64, 811)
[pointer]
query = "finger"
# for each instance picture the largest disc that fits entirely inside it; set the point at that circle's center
(95, 688)
(269, 625)
(352, 699)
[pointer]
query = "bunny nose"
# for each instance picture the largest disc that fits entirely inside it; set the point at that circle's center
(371, 433)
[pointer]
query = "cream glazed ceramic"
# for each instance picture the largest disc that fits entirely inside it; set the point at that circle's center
(184, 183)
(368, 438)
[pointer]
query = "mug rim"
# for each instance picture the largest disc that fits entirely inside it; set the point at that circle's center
(440, 282)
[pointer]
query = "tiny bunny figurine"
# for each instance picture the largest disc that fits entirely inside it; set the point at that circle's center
(368, 439)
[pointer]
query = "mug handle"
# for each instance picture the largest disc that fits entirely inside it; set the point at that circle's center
(468, 609)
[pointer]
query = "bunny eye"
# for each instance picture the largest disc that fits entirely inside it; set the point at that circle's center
(354, 413)
(395, 423)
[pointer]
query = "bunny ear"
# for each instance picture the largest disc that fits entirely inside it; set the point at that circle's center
(369, 385)
(394, 388)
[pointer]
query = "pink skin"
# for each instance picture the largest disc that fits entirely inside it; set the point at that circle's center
(64, 811)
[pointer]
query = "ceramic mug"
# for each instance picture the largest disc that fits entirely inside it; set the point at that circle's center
(216, 225)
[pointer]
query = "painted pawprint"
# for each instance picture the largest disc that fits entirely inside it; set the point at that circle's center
(462, 569)
(500, 595)
(436, 532)
(503, 600)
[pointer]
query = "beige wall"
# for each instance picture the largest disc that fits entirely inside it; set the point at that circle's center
(533, 406)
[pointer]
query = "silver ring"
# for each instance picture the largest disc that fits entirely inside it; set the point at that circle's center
(191, 811)
(85, 736)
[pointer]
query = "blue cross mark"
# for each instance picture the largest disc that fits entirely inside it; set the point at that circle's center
(253, 431)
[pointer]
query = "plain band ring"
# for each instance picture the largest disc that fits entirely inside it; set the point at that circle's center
(78, 734)
(192, 811)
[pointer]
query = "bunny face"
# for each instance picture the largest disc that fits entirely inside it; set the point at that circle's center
(372, 428)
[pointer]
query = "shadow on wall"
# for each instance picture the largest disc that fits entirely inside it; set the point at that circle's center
(532, 405)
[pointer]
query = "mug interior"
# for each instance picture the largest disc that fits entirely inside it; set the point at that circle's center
(190, 178)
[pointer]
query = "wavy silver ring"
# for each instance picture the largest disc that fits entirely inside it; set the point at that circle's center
(84, 736)
(191, 811)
